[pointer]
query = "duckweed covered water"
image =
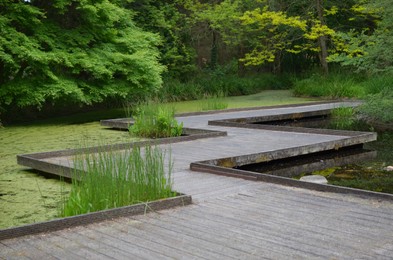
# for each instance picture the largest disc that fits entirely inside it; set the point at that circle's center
(27, 196)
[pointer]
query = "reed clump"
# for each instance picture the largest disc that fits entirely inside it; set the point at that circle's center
(112, 179)
(152, 120)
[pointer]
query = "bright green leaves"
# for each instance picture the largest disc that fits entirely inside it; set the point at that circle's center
(79, 51)
(367, 48)
(273, 32)
(318, 30)
(265, 18)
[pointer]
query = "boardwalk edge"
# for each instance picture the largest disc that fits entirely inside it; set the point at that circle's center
(94, 217)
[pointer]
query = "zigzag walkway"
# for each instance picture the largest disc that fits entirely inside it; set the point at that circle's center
(230, 218)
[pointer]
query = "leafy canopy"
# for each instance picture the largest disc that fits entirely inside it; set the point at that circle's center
(79, 51)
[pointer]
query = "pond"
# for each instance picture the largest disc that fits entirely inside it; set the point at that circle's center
(28, 196)
(372, 174)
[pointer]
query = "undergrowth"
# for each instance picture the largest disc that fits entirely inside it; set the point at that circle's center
(214, 83)
(335, 85)
(378, 107)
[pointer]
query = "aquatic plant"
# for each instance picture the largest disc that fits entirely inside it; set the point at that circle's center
(152, 120)
(379, 107)
(366, 178)
(343, 118)
(110, 179)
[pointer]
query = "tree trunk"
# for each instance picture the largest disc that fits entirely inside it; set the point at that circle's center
(214, 52)
(322, 40)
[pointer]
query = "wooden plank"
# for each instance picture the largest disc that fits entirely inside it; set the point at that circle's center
(213, 239)
(338, 232)
(52, 249)
(130, 249)
(21, 249)
(191, 239)
(267, 232)
(7, 252)
(77, 250)
(132, 235)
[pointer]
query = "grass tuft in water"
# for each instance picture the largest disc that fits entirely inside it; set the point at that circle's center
(114, 179)
(343, 118)
(153, 120)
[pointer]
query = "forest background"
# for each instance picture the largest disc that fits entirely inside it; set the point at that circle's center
(63, 56)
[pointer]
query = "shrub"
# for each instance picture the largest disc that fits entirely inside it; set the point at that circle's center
(378, 107)
(343, 118)
(115, 179)
(215, 82)
(336, 85)
(154, 121)
(175, 90)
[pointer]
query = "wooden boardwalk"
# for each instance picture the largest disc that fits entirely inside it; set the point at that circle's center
(230, 218)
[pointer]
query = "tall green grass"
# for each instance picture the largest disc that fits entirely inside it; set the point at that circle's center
(153, 120)
(343, 117)
(378, 107)
(336, 85)
(377, 83)
(214, 102)
(113, 179)
(214, 83)
(376, 90)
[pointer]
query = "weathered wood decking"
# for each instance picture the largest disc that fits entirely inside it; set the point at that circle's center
(231, 218)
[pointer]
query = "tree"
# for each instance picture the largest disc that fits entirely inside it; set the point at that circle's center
(373, 46)
(167, 19)
(74, 51)
(322, 39)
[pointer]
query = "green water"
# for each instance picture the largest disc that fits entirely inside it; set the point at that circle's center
(369, 175)
(27, 196)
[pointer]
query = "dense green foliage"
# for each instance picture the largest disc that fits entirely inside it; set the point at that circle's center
(370, 49)
(284, 35)
(74, 51)
(379, 107)
(377, 91)
(71, 53)
(337, 85)
(112, 180)
(221, 81)
(166, 19)
(151, 120)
